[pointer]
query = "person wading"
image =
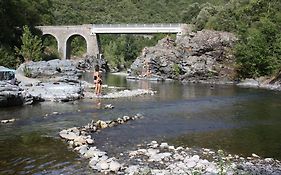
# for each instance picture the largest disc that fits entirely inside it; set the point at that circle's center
(97, 80)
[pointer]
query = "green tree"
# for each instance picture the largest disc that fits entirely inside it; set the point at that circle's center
(7, 57)
(31, 48)
(190, 13)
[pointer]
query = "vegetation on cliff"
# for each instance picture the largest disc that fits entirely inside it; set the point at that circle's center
(258, 24)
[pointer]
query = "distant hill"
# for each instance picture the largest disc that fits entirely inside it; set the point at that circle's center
(123, 11)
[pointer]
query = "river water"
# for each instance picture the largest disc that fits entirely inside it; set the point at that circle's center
(239, 120)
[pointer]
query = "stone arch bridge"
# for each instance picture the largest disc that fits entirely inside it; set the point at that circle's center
(90, 32)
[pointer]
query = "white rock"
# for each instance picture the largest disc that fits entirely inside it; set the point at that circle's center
(141, 151)
(268, 159)
(152, 152)
(103, 165)
(69, 136)
(114, 166)
(74, 130)
(171, 147)
(256, 156)
(195, 158)
(164, 145)
(178, 157)
(153, 142)
(126, 118)
(4, 121)
(179, 148)
(93, 163)
(186, 159)
(80, 139)
(83, 149)
(190, 164)
(90, 141)
(133, 169)
(92, 152)
(104, 157)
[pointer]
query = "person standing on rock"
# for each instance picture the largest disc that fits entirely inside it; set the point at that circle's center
(97, 80)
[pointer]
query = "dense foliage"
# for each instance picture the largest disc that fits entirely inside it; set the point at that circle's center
(258, 25)
(13, 15)
(31, 48)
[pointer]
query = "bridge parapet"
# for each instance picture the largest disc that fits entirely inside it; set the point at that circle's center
(136, 28)
(135, 25)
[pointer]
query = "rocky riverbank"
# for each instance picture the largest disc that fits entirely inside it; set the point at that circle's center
(199, 57)
(263, 83)
(161, 158)
(195, 57)
(55, 80)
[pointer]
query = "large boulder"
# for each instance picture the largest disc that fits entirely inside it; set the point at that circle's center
(10, 95)
(13, 95)
(58, 91)
(201, 56)
(49, 69)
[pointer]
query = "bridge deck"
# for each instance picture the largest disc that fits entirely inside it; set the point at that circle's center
(136, 28)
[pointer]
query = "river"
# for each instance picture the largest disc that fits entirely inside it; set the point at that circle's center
(238, 120)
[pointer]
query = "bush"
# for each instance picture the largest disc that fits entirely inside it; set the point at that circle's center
(7, 57)
(31, 48)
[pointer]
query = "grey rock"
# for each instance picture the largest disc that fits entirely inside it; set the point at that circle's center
(249, 83)
(198, 57)
(114, 166)
(103, 165)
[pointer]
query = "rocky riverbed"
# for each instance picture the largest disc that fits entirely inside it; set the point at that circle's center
(161, 158)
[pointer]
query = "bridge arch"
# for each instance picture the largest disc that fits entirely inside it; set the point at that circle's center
(69, 40)
(63, 33)
(50, 45)
(91, 31)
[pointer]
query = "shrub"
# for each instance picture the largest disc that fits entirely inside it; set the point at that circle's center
(31, 48)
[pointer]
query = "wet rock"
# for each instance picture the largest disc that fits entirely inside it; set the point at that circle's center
(109, 106)
(10, 95)
(127, 93)
(8, 121)
(90, 141)
(101, 124)
(249, 83)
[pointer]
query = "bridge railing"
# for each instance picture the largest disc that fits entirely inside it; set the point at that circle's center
(134, 25)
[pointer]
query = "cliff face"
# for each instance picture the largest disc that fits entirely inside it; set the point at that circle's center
(196, 57)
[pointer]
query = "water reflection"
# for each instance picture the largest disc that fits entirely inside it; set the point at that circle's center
(240, 121)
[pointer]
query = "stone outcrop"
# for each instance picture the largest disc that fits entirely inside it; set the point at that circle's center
(10, 95)
(54, 80)
(272, 83)
(201, 56)
(49, 69)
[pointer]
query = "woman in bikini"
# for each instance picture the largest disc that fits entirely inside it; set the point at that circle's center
(97, 80)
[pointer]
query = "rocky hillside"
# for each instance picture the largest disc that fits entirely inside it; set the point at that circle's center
(204, 56)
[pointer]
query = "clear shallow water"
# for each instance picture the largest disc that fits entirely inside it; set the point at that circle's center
(238, 120)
